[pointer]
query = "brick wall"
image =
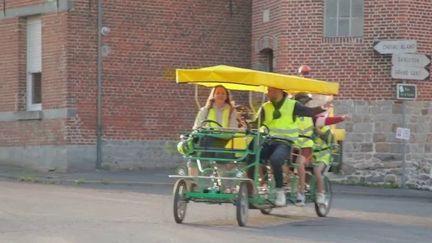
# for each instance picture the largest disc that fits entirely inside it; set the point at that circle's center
(13, 78)
(148, 41)
(295, 29)
(9, 40)
(21, 3)
(418, 26)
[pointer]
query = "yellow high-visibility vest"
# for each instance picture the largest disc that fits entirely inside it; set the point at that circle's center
(323, 146)
(284, 126)
(225, 117)
(306, 130)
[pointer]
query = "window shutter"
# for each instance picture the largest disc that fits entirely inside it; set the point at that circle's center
(34, 44)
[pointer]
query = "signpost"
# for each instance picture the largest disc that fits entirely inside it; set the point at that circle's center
(406, 65)
(395, 46)
(410, 60)
(409, 73)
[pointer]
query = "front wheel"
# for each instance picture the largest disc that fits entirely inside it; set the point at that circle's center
(180, 202)
(242, 204)
(323, 209)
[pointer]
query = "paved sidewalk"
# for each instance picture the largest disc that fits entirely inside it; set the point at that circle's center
(159, 176)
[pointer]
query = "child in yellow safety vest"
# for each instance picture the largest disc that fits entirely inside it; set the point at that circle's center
(309, 139)
(322, 157)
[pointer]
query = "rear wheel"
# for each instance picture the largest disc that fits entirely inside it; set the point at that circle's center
(323, 209)
(180, 202)
(242, 204)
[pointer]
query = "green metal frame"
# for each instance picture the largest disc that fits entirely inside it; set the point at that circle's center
(209, 183)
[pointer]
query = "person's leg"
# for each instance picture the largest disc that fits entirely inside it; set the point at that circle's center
(303, 160)
(266, 151)
(277, 159)
(319, 177)
(318, 169)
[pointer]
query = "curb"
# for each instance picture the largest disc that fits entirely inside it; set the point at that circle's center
(339, 189)
(81, 181)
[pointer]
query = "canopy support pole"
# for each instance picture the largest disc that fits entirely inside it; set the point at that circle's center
(196, 97)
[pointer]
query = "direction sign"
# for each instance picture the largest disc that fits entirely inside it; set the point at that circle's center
(406, 91)
(409, 73)
(395, 46)
(410, 60)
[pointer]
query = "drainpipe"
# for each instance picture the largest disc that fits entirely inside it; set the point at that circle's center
(99, 128)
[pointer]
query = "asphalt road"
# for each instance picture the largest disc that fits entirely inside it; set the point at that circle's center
(53, 213)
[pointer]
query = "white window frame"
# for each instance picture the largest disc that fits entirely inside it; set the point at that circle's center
(337, 18)
(34, 58)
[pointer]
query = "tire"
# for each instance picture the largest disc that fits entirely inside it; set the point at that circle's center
(266, 211)
(323, 209)
(180, 203)
(242, 204)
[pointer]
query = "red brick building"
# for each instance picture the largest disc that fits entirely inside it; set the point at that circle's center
(144, 110)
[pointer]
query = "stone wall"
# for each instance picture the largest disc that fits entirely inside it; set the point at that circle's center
(373, 154)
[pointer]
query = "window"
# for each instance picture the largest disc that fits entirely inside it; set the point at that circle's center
(343, 18)
(34, 63)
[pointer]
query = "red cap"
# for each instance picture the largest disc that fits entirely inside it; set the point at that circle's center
(304, 69)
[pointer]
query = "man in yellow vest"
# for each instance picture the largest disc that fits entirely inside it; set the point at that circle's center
(279, 115)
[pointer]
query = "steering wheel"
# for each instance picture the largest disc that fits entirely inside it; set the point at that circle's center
(210, 121)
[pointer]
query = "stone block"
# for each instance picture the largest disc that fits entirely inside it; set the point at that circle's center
(382, 127)
(355, 137)
(397, 108)
(347, 148)
(366, 147)
(392, 164)
(392, 179)
(348, 127)
(375, 179)
(368, 138)
(353, 179)
(424, 177)
(363, 127)
(415, 148)
(382, 147)
(343, 107)
(396, 171)
(358, 157)
(381, 107)
(428, 148)
(387, 156)
(398, 147)
(356, 118)
(379, 137)
(348, 169)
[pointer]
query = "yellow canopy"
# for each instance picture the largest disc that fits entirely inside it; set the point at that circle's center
(235, 78)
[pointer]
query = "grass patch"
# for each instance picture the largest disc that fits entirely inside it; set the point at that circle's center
(31, 179)
(79, 181)
(391, 185)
